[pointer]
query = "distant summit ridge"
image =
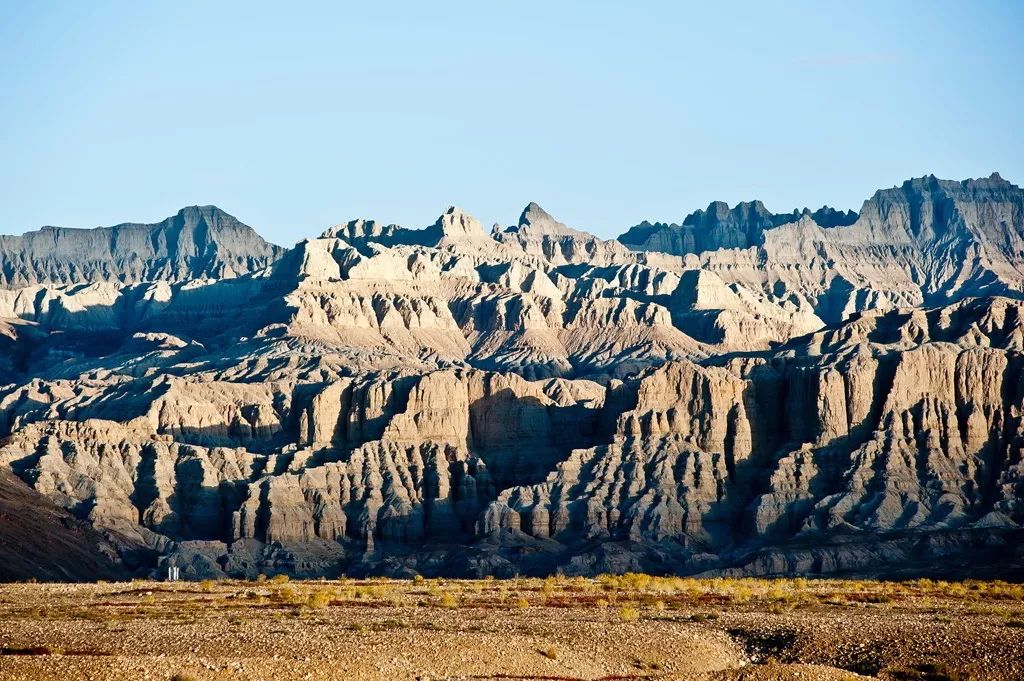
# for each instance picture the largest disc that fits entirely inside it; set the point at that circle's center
(719, 226)
(198, 242)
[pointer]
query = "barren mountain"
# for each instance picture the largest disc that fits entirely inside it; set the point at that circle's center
(200, 242)
(798, 393)
(927, 242)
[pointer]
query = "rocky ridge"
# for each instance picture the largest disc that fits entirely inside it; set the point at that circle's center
(779, 396)
(199, 242)
(925, 243)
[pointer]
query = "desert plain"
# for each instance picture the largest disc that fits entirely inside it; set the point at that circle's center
(609, 627)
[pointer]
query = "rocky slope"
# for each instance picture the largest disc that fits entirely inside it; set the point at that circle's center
(779, 396)
(41, 541)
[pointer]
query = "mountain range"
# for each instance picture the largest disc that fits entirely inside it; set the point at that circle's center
(742, 392)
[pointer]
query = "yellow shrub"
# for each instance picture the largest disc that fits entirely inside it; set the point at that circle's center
(319, 599)
(629, 613)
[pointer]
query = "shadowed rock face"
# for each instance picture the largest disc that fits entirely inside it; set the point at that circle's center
(39, 540)
(443, 401)
(200, 242)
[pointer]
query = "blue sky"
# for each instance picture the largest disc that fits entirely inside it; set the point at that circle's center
(294, 119)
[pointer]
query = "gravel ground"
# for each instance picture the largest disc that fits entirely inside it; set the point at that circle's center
(529, 629)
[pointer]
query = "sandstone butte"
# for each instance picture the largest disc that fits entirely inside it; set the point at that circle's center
(742, 393)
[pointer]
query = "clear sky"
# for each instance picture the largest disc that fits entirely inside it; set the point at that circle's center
(294, 119)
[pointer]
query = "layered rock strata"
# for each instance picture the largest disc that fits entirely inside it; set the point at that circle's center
(811, 392)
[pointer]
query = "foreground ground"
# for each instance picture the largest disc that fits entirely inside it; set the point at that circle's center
(632, 627)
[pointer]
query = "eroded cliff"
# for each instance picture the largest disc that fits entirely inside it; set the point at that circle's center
(797, 393)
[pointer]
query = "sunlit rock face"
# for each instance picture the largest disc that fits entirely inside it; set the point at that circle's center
(744, 393)
(926, 242)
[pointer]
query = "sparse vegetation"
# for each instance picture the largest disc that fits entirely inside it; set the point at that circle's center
(319, 599)
(461, 607)
(628, 613)
(550, 653)
(704, 616)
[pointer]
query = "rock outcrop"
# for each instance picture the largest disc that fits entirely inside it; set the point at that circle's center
(811, 392)
(927, 242)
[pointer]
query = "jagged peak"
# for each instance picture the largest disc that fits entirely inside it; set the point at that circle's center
(456, 223)
(719, 211)
(826, 216)
(993, 181)
(535, 222)
(534, 214)
(932, 185)
(532, 207)
(718, 208)
(639, 233)
(538, 221)
(358, 228)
